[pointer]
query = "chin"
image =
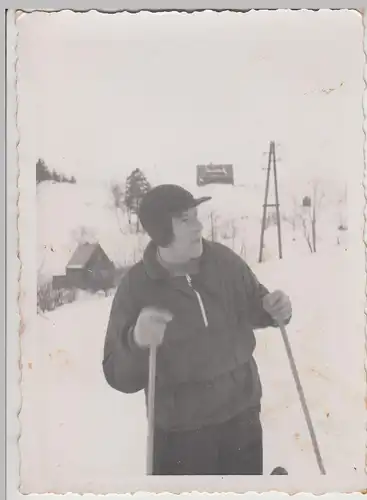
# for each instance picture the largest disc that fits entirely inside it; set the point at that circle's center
(196, 250)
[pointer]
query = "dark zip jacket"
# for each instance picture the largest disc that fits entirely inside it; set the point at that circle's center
(206, 373)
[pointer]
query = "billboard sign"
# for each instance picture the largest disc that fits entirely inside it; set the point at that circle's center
(214, 174)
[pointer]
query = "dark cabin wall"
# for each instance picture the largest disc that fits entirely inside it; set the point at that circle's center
(76, 278)
(99, 272)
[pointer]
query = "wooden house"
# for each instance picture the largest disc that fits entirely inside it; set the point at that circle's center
(88, 269)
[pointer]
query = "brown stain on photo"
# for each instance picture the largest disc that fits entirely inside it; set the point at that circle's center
(21, 328)
(30, 365)
(60, 354)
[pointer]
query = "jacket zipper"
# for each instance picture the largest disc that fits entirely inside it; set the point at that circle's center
(201, 304)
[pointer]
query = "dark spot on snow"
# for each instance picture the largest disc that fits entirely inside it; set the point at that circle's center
(30, 365)
(327, 414)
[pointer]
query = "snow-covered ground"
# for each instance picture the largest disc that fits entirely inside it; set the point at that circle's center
(87, 437)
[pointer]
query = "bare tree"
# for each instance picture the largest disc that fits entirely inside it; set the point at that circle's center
(213, 225)
(243, 250)
(293, 217)
(117, 193)
(233, 232)
(306, 233)
(83, 235)
(342, 209)
(318, 196)
(309, 214)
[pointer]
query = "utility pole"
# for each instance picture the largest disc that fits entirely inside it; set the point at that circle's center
(272, 164)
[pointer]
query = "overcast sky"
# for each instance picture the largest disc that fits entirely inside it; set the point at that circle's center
(102, 94)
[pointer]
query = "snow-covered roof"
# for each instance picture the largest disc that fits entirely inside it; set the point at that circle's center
(82, 255)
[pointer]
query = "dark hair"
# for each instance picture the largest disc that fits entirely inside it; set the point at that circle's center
(162, 233)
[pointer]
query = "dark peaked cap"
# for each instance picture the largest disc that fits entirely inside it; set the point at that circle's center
(166, 200)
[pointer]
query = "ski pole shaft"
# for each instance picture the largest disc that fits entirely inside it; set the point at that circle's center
(151, 406)
(302, 398)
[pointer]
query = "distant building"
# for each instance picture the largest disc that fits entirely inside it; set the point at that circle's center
(88, 269)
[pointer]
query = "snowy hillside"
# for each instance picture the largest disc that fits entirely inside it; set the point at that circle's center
(68, 213)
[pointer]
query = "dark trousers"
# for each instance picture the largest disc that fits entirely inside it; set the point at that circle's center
(232, 448)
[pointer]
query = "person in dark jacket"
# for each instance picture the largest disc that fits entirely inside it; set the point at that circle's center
(200, 303)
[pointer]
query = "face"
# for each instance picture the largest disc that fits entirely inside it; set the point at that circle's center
(187, 228)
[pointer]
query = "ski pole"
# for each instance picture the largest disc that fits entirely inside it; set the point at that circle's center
(302, 398)
(151, 406)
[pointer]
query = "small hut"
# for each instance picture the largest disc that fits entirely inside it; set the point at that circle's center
(88, 269)
(306, 202)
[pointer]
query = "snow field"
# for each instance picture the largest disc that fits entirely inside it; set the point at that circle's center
(88, 437)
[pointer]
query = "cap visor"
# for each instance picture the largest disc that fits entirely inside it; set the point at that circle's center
(199, 201)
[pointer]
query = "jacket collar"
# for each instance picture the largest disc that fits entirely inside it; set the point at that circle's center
(152, 266)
